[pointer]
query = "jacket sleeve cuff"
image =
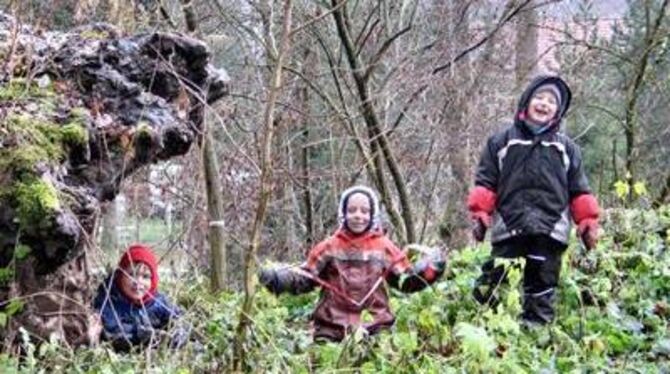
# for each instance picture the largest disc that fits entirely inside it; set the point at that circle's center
(481, 199)
(584, 206)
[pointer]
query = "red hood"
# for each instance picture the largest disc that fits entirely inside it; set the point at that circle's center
(143, 254)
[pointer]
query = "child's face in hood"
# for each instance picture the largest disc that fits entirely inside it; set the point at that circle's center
(542, 107)
(135, 281)
(358, 213)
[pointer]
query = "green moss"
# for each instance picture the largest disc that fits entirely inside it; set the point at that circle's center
(37, 201)
(94, 34)
(36, 141)
(22, 251)
(20, 88)
(74, 134)
(22, 160)
(143, 131)
(30, 140)
(79, 114)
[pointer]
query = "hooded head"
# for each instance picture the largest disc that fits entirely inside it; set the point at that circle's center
(137, 274)
(358, 210)
(542, 94)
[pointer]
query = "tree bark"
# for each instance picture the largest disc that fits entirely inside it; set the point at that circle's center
(378, 139)
(114, 119)
(526, 45)
(239, 352)
(631, 127)
(217, 234)
(663, 195)
(213, 189)
(110, 237)
(305, 153)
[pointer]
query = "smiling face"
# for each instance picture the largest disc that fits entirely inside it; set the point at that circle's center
(135, 281)
(542, 107)
(358, 213)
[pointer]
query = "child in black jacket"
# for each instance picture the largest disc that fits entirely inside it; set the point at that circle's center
(529, 181)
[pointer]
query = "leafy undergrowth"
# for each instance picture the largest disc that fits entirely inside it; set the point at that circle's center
(613, 316)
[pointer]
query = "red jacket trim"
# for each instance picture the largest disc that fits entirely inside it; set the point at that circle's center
(481, 199)
(583, 207)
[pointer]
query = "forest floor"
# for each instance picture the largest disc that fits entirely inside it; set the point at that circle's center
(613, 316)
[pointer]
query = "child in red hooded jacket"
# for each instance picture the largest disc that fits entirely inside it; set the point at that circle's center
(352, 268)
(131, 308)
(529, 181)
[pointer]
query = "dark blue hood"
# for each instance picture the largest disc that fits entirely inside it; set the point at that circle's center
(566, 97)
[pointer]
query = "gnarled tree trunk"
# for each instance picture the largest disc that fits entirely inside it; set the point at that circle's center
(80, 112)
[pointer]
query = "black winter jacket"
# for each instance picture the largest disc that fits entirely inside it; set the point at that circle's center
(534, 176)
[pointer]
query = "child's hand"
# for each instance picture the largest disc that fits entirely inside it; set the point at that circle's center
(431, 264)
(480, 223)
(478, 230)
(588, 231)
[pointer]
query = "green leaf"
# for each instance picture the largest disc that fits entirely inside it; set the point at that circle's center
(13, 307)
(621, 188)
(476, 342)
(639, 189)
(6, 274)
(406, 341)
(21, 251)
(366, 317)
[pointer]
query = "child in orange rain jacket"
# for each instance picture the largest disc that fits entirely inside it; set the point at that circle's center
(352, 268)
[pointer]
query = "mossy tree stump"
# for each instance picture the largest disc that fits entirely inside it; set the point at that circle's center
(79, 112)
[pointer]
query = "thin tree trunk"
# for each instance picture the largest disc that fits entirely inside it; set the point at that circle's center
(633, 93)
(289, 199)
(189, 15)
(264, 194)
(663, 195)
(213, 189)
(110, 238)
(526, 45)
(457, 116)
(305, 154)
(372, 120)
(217, 235)
(345, 119)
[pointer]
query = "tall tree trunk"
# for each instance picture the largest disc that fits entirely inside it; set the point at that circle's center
(217, 234)
(663, 195)
(213, 189)
(631, 127)
(526, 45)
(110, 238)
(458, 118)
(378, 138)
(289, 198)
(309, 64)
(264, 193)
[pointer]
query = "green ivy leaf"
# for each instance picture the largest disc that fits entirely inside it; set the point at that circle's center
(476, 342)
(6, 274)
(366, 317)
(406, 341)
(13, 307)
(22, 251)
(639, 189)
(622, 189)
